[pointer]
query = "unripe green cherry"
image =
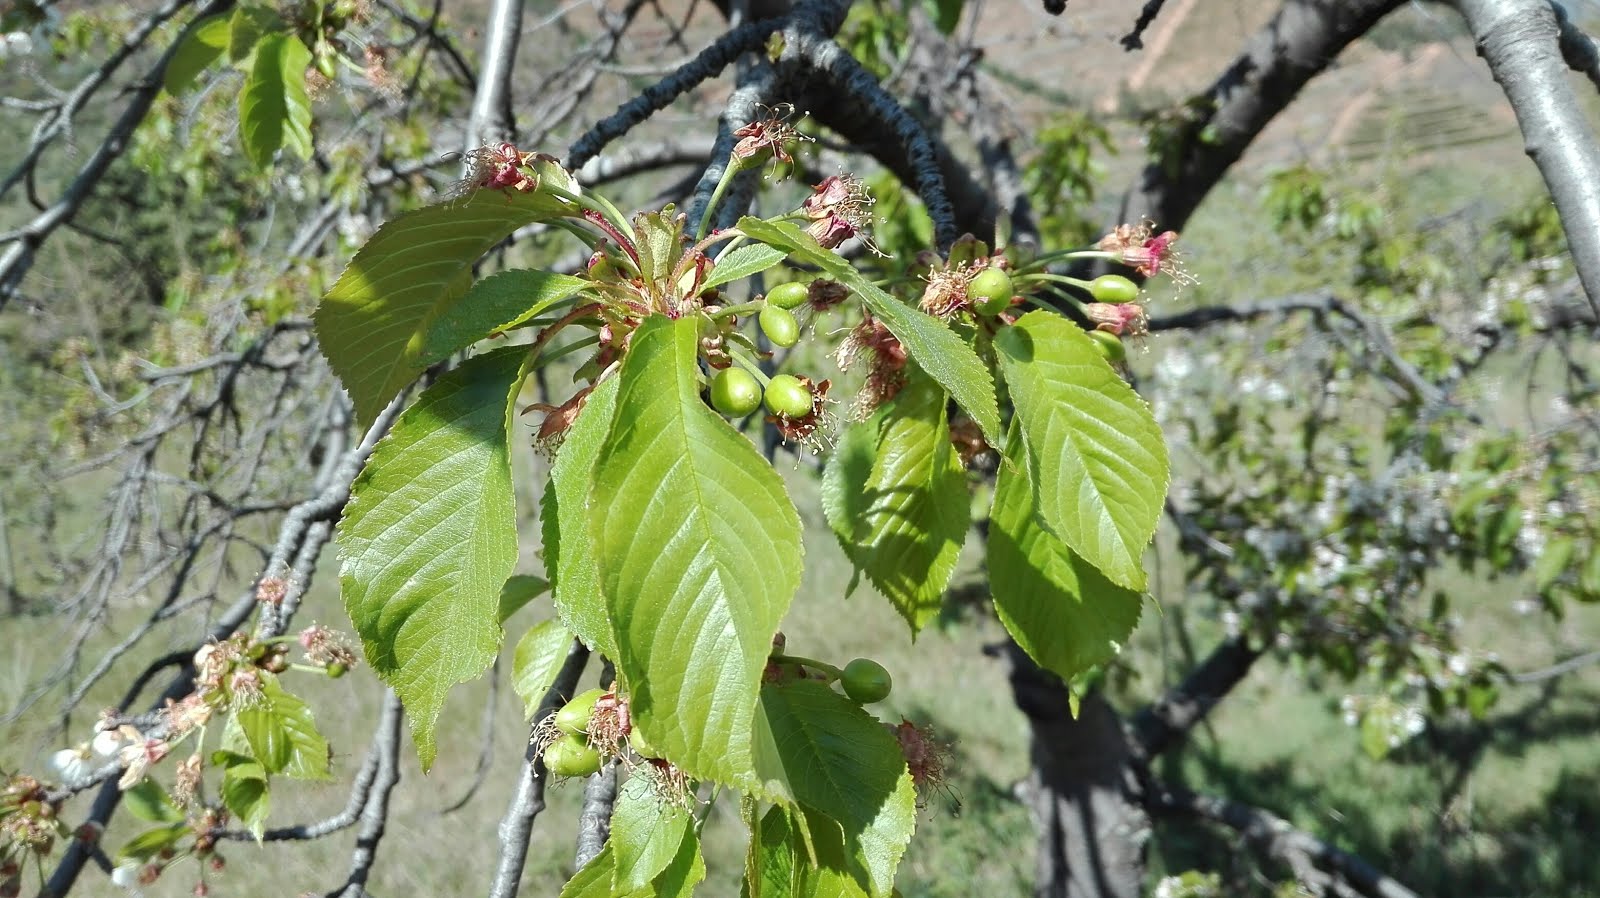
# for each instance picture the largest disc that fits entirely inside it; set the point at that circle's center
(573, 719)
(337, 669)
(1113, 288)
(865, 681)
(779, 326)
(1109, 345)
(735, 392)
(990, 291)
(788, 296)
(570, 755)
(788, 396)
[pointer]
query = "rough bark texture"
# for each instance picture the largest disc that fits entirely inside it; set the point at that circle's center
(1092, 829)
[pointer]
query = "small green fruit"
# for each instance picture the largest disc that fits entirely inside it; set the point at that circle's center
(571, 756)
(573, 719)
(990, 291)
(735, 392)
(788, 296)
(788, 396)
(641, 746)
(337, 669)
(1113, 288)
(779, 326)
(865, 681)
(1109, 345)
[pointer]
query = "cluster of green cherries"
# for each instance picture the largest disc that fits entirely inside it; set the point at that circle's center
(735, 392)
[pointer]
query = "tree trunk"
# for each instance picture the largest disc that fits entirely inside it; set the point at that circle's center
(1092, 830)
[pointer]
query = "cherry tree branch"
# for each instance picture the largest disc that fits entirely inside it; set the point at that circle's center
(1313, 860)
(1168, 720)
(1519, 39)
(527, 797)
(375, 816)
(594, 819)
(25, 241)
(493, 118)
(1298, 43)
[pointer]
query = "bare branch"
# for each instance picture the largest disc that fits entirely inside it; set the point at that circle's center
(1167, 720)
(375, 816)
(493, 118)
(26, 240)
(527, 798)
(594, 820)
(1276, 838)
(1556, 670)
(1134, 40)
(1518, 39)
(1300, 42)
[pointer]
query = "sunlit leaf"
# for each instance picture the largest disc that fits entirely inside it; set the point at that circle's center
(274, 109)
(1096, 454)
(646, 833)
(1059, 608)
(497, 303)
(843, 770)
(373, 325)
(743, 262)
(904, 521)
(430, 536)
(539, 656)
(282, 733)
(699, 556)
(204, 43)
(572, 565)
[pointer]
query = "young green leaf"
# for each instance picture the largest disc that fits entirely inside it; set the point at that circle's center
(204, 42)
(150, 843)
(149, 802)
(245, 794)
(572, 565)
(274, 109)
(593, 880)
(1097, 457)
(699, 556)
(282, 734)
(934, 347)
(843, 770)
(497, 303)
(373, 324)
(646, 833)
(779, 861)
(1062, 611)
(519, 590)
(430, 536)
(539, 656)
(903, 523)
(248, 25)
(743, 262)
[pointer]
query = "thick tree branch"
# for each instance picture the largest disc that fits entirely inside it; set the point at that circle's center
(493, 118)
(1297, 45)
(1277, 839)
(1519, 41)
(1166, 721)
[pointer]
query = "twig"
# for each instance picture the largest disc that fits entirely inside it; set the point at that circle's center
(594, 820)
(1555, 670)
(375, 816)
(1134, 40)
(527, 798)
